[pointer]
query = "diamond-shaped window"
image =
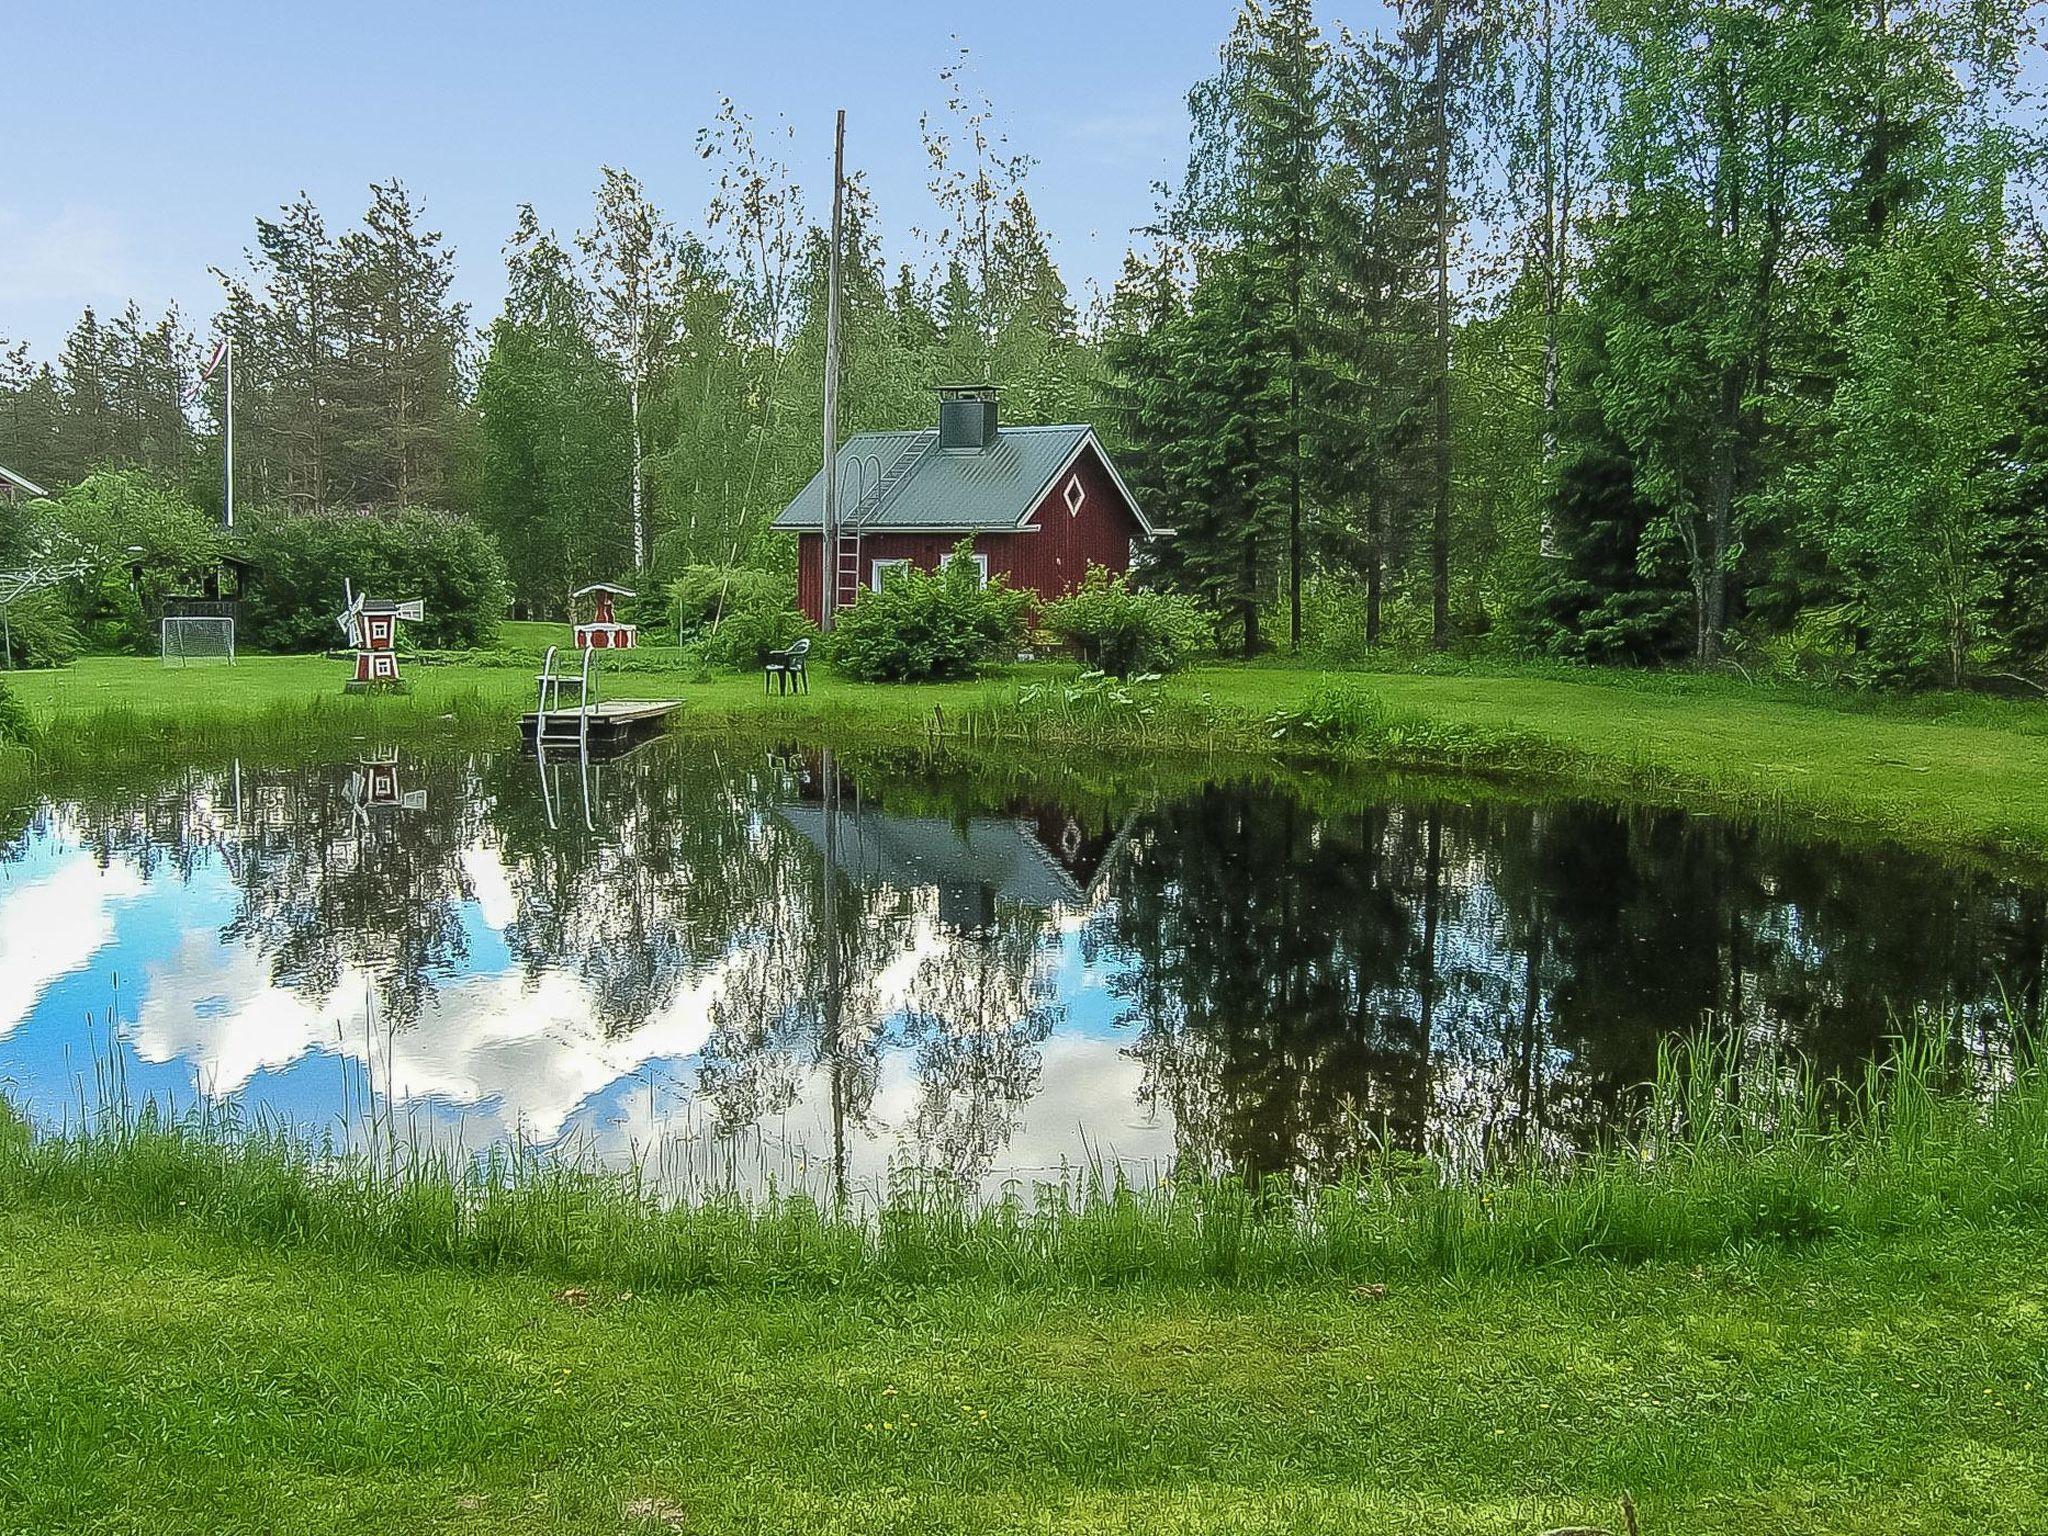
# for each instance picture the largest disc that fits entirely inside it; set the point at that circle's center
(1075, 495)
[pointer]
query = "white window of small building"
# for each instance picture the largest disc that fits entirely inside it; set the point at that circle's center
(1076, 494)
(879, 570)
(981, 568)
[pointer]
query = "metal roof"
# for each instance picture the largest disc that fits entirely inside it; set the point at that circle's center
(913, 484)
(877, 848)
(23, 481)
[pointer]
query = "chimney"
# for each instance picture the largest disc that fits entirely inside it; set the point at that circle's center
(967, 417)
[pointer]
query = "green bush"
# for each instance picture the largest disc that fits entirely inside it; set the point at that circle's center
(14, 727)
(936, 624)
(1125, 630)
(727, 615)
(302, 561)
(738, 639)
(709, 594)
(40, 632)
(142, 542)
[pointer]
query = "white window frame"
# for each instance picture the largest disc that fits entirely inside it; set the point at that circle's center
(981, 565)
(877, 569)
(1075, 496)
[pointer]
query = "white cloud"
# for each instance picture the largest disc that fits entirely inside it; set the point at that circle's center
(52, 925)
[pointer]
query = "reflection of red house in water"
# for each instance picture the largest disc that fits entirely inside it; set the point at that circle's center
(1026, 855)
(1042, 504)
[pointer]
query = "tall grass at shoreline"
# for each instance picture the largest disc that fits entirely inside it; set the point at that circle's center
(1730, 1157)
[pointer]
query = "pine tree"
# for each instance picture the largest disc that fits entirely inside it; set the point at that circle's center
(1447, 50)
(401, 413)
(1370, 326)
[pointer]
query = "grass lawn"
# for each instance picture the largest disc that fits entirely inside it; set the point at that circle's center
(1943, 769)
(198, 1385)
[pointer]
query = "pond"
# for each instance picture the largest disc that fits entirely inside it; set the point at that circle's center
(738, 965)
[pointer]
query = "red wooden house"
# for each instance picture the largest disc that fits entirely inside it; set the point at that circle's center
(1042, 504)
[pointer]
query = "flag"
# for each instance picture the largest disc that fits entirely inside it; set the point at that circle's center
(220, 350)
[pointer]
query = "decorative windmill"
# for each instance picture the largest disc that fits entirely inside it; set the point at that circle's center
(370, 625)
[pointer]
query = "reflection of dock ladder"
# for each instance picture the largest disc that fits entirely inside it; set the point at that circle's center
(550, 788)
(552, 723)
(869, 501)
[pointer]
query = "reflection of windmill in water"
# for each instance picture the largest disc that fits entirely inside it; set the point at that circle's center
(373, 785)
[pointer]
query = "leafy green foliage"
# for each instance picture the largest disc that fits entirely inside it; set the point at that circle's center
(1124, 629)
(142, 541)
(930, 624)
(40, 631)
(15, 726)
(303, 562)
(705, 594)
(728, 615)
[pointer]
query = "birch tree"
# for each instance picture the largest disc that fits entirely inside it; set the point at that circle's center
(634, 265)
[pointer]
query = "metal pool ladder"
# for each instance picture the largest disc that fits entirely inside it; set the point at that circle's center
(550, 704)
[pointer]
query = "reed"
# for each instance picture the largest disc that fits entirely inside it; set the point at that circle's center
(1730, 1156)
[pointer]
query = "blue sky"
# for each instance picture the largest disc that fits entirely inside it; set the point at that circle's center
(144, 137)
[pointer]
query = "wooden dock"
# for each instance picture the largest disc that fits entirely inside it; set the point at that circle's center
(612, 722)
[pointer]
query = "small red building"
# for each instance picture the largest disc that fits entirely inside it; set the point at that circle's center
(604, 632)
(1042, 504)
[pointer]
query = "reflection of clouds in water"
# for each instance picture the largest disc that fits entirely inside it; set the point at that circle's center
(214, 1007)
(52, 924)
(1088, 1087)
(524, 1055)
(490, 886)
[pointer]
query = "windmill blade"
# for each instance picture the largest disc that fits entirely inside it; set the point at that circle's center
(412, 610)
(349, 617)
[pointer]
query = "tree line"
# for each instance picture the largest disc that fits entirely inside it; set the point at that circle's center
(1616, 330)
(1613, 329)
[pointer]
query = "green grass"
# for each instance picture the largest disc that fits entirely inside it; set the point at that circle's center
(1835, 1321)
(176, 1381)
(1950, 771)
(1730, 1155)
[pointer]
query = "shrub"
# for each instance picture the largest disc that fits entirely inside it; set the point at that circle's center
(14, 727)
(40, 632)
(709, 594)
(301, 562)
(141, 540)
(930, 625)
(1125, 630)
(738, 639)
(727, 615)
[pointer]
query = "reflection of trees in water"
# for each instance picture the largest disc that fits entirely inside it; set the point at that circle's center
(853, 970)
(1501, 978)
(658, 894)
(1295, 984)
(320, 890)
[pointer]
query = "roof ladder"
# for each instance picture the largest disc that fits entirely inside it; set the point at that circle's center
(846, 557)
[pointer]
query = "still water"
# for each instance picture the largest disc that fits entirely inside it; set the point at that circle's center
(743, 965)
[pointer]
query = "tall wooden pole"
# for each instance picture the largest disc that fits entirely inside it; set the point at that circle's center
(228, 442)
(828, 592)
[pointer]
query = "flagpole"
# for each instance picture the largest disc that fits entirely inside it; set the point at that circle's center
(228, 450)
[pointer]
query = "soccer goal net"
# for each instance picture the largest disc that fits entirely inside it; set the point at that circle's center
(192, 640)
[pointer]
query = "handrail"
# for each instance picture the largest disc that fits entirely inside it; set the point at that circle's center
(583, 708)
